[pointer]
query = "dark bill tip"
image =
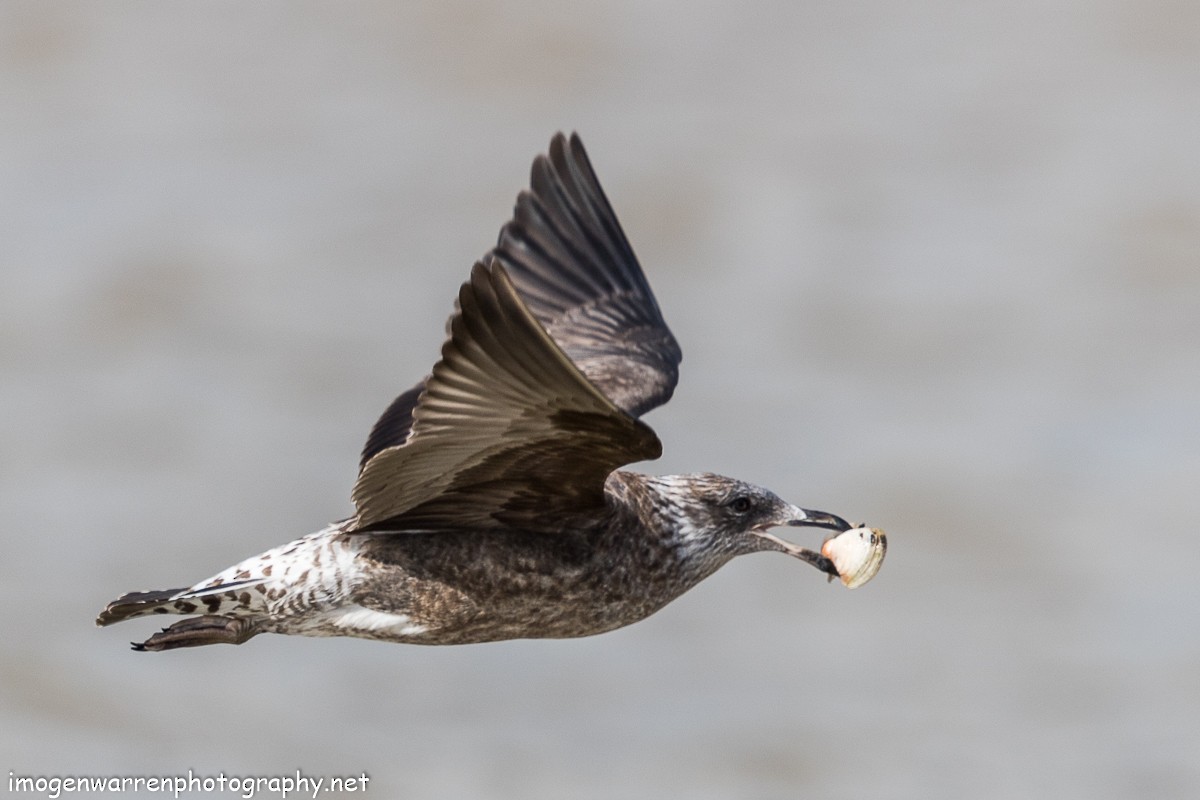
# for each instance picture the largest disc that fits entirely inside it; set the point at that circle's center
(820, 519)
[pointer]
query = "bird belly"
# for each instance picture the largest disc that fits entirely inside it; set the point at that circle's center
(448, 589)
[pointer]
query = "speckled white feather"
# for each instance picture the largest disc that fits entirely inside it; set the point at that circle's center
(366, 620)
(327, 561)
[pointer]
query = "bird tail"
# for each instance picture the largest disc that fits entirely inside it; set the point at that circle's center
(220, 621)
(140, 604)
(220, 598)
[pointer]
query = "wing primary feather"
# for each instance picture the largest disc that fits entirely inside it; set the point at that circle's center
(555, 347)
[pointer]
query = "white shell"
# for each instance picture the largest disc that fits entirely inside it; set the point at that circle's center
(857, 553)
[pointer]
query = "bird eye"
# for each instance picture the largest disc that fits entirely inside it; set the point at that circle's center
(740, 504)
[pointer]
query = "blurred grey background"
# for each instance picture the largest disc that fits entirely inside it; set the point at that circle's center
(933, 267)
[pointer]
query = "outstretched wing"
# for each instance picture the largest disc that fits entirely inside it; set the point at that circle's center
(506, 432)
(573, 267)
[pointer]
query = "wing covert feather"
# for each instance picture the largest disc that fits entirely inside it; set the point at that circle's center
(507, 431)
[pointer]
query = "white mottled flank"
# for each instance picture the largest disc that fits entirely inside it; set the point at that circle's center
(357, 618)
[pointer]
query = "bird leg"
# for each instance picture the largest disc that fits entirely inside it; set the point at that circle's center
(197, 631)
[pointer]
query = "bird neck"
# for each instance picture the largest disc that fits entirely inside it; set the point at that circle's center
(659, 510)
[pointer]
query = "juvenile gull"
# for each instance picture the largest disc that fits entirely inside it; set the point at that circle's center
(489, 503)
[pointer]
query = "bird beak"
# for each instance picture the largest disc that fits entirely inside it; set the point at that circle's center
(802, 516)
(817, 519)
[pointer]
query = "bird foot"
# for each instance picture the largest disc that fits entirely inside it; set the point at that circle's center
(197, 631)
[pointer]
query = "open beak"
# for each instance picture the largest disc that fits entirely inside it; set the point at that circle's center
(807, 517)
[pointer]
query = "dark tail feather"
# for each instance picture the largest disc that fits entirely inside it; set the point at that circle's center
(136, 604)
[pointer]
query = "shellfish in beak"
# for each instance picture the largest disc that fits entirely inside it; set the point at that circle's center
(857, 553)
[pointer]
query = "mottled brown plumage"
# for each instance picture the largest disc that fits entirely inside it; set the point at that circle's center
(489, 503)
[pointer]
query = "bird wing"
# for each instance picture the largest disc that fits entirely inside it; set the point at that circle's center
(506, 431)
(573, 267)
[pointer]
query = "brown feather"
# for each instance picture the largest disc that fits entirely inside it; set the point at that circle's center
(572, 266)
(507, 433)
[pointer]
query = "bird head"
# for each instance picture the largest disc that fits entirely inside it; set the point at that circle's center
(723, 517)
